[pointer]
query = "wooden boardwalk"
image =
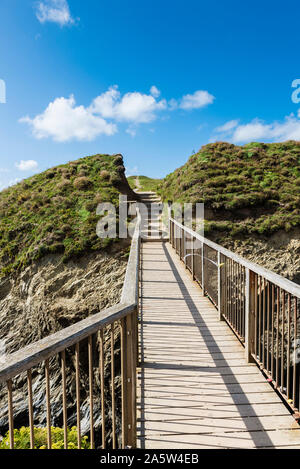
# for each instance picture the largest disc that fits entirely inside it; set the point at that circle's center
(195, 389)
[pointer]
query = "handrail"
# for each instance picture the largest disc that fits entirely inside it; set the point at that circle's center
(130, 291)
(281, 282)
(33, 354)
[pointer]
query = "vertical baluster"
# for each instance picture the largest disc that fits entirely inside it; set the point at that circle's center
(220, 288)
(260, 321)
(264, 323)
(234, 295)
(30, 408)
(282, 342)
(250, 314)
(64, 397)
(268, 326)
(10, 414)
(226, 286)
(231, 291)
(48, 405)
(295, 355)
(244, 300)
(277, 336)
(173, 236)
(91, 381)
(123, 381)
(102, 388)
(256, 315)
(272, 319)
(77, 351)
(239, 299)
(288, 347)
(193, 258)
(202, 270)
(113, 404)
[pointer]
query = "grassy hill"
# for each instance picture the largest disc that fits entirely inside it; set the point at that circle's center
(250, 189)
(55, 211)
(143, 183)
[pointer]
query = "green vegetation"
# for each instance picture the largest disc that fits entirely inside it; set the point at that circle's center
(55, 211)
(246, 189)
(145, 183)
(22, 439)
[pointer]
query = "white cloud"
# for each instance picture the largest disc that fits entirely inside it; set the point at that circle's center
(227, 126)
(55, 11)
(196, 100)
(132, 107)
(64, 121)
(154, 91)
(26, 165)
(288, 129)
(131, 131)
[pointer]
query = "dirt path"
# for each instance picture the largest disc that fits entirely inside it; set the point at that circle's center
(137, 183)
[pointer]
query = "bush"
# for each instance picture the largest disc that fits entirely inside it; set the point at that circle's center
(118, 161)
(22, 439)
(82, 182)
(104, 174)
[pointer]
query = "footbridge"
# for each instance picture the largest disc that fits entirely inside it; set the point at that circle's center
(201, 352)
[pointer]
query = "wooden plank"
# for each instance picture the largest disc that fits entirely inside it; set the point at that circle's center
(235, 440)
(154, 425)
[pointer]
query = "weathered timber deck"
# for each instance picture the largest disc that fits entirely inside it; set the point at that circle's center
(195, 389)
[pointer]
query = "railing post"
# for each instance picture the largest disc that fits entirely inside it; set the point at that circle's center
(202, 270)
(128, 377)
(169, 221)
(192, 260)
(220, 288)
(249, 315)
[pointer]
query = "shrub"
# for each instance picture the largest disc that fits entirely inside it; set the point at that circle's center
(63, 184)
(115, 179)
(118, 161)
(82, 182)
(104, 175)
(22, 439)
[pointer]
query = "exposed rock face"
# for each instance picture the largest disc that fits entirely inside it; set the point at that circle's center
(279, 253)
(44, 298)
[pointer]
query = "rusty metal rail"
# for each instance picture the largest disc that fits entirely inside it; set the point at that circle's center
(91, 340)
(261, 307)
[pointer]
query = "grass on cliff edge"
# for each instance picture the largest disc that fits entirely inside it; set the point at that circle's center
(247, 189)
(55, 211)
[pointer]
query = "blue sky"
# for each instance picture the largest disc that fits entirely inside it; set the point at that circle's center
(151, 80)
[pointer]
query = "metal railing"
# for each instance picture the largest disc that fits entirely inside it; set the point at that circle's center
(87, 353)
(261, 307)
